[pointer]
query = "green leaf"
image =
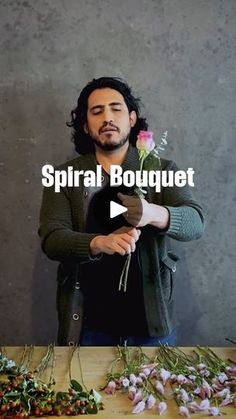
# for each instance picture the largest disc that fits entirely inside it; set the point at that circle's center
(76, 386)
(60, 395)
(12, 394)
(91, 409)
(82, 396)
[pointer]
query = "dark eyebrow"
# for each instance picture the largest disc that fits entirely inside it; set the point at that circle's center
(101, 106)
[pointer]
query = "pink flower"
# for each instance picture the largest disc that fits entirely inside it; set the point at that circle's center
(223, 393)
(226, 401)
(181, 379)
(145, 141)
(214, 411)
(133, 379)
(160, 388)
(173, 378)
(184, 395)
(192, 377)
(153, 373)
(125, 382)
(131, 392)
(207, 388)
(183, 411)
(139, 381)
(151, 401)
(222, 377)
(217, 385)
(142, 376)
(110, 388)
(194, 407)
(205, 373)
(138, 397)
(231, 370)
(201, 366)
(204, 405)
(164, 375)
(139, 407)
(197, 390)
(146, 371)
(162, 407)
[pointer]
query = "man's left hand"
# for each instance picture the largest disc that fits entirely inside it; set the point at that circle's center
(140, 212)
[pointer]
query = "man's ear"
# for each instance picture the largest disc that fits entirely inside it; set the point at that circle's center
(86, 128)
(133, 118)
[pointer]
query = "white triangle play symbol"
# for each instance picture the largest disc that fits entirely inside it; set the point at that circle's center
(116, 209)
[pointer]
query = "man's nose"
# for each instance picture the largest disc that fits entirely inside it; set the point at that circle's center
(108, 116)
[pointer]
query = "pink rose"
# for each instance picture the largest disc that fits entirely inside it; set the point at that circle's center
(145, 141)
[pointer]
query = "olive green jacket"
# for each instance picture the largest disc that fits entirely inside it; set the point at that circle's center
(62, 230)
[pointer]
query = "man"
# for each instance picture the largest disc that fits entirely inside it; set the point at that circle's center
(92, 248)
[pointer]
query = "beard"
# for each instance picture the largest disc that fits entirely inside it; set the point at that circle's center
(109, 146)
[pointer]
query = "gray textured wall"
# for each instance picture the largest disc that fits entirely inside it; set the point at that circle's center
(179, 56)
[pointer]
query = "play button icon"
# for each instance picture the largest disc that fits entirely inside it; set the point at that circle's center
(116, 209)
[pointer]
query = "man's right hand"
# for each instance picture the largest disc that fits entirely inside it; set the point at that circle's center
(121, 241)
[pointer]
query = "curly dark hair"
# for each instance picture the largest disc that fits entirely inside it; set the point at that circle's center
(83, 142)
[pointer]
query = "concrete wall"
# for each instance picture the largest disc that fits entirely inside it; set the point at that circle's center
(179, 56)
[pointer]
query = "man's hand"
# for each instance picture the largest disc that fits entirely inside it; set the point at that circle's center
(140, 212)
(121, 241)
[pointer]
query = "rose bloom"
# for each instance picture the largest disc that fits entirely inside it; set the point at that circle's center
(145, 141)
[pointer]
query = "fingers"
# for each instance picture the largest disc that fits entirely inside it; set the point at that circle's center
(124, 243)
(121, 243)
(125, 248)
(134, 207)
(135, 233)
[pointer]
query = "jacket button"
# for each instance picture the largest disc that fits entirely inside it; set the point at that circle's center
(76, 316)
(77, 285)
(71, 343)
(102, 178)
(85, 194)
(174, 269)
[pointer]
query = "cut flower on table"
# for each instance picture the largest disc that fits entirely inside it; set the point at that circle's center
(191, 380)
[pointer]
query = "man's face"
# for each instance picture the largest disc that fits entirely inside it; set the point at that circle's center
(108, 119)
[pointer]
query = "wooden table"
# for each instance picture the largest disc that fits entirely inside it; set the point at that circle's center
(95, 362)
